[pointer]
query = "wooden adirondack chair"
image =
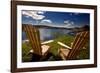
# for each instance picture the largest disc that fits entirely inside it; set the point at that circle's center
(79, 42)
(34, 39)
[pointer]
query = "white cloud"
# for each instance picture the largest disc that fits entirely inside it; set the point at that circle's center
(37, 15)
(66, 22)
(41, 12)
(69, 23)
(72, 22)
(46, 21)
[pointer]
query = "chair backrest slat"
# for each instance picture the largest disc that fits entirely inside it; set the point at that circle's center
(79, 41)
(33, 36)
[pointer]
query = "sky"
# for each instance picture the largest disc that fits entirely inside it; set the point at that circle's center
(62, 19)
(68, 19)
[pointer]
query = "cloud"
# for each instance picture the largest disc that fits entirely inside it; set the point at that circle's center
(37, 15)
(69, 23)
(41, 12)
(66, 22)
(72, 22)
(46, 21)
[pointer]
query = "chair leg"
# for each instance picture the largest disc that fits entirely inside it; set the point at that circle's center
(35, 57)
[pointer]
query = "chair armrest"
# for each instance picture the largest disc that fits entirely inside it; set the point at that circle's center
(46, 42)
(64, 45)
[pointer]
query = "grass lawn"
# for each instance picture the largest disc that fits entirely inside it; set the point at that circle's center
(66, 39)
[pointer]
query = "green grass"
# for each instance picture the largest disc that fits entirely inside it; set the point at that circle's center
(25, 52)
(84, 53)
(66, 39)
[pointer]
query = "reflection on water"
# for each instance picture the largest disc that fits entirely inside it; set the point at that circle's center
(49, 33)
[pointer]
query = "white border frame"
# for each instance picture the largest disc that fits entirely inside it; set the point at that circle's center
(52, 63)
